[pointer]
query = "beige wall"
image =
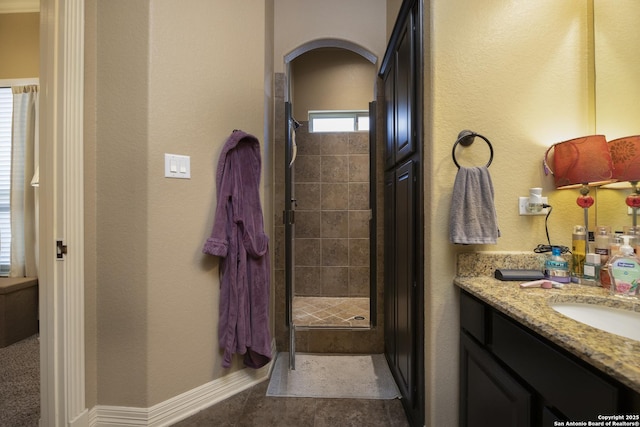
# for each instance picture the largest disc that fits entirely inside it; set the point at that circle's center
(19, 45)
(169, 79)
(331, 79)
(617, 37)
(90, 204)
(300, 21)
(121, 153)
(393, 7)
(517, 73)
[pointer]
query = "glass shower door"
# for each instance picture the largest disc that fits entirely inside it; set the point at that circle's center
(289, 228)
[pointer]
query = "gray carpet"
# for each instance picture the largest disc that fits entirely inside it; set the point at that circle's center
(20, 383)
(344, 376)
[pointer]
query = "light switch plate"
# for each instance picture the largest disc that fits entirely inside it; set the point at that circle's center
(177, 166)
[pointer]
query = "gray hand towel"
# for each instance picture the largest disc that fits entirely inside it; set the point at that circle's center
(473, 219)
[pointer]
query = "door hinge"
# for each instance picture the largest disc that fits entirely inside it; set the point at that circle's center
(288, 217)
(61, 249)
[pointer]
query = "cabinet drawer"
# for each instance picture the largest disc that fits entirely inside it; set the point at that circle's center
(473, 317)
(574, 390)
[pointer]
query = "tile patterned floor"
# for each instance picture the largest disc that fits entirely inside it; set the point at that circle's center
(253, 408)
(331, 312)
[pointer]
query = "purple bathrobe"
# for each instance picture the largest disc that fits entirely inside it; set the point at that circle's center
(238, 238)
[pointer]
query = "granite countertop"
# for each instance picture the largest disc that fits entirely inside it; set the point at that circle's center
(615, 355)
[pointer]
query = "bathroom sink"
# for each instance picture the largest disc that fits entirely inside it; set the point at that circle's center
(613, 320)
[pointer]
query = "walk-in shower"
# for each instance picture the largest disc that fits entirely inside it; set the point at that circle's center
(326, 283)
(328, 227)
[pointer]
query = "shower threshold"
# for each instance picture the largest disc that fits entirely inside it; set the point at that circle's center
(331, 312)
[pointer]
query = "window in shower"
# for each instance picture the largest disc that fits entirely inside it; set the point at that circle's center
(338, 121)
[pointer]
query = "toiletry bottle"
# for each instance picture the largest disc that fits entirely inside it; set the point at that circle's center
(556, 268)
(635, 241)
(634, 233)
(631, 230)
(624, 270)
(602, 242)
(605, 278)
(614, 245)
(579, 252)
(591, 275)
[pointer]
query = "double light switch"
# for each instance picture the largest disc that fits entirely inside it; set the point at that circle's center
(177, 166)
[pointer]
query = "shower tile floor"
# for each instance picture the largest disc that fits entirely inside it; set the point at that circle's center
(344, 312)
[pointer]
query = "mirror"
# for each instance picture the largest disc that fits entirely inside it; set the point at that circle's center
(617, 90)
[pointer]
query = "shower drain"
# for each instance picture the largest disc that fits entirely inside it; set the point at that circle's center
(358, 318)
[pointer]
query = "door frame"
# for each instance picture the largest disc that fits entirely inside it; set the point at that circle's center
(61, 198)
(289, 268)
(289, 230)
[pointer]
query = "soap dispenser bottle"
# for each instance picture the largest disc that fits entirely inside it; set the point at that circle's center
(624, 270)
(556, 268)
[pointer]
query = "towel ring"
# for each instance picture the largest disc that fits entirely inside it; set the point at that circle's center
(466, 138)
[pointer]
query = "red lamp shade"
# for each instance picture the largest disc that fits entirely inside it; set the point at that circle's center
(578, 161)
(625, 154)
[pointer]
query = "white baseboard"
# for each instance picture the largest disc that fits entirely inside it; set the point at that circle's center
(182, 406)
(80, 421)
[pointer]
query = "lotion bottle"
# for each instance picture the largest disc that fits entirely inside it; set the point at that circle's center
(602, 243)
(591, 274)
(624, 270)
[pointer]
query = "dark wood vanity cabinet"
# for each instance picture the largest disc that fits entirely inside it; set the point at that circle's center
(491, 397)
(400, 75)
(511, 376)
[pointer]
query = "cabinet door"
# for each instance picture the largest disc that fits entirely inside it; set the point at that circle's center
(489, 396)
(389, 268)
(404, 93)
(399, 93)
(390, 119)
(572, 388)
(404, 324)
(405, 207)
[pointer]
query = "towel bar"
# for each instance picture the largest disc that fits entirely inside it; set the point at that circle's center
(466, 138)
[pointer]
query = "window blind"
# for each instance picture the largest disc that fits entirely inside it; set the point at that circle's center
(6, 111)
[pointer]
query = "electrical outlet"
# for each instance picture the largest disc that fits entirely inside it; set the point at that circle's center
(523, 205)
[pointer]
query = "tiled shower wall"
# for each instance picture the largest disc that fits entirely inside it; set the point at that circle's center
(332, 215)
